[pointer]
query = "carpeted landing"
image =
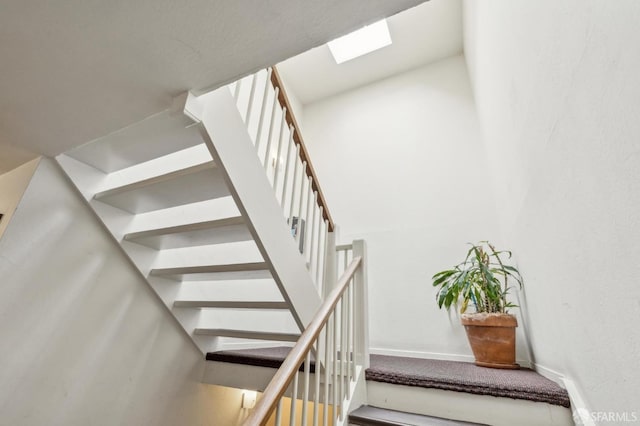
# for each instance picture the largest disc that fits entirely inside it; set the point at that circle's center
(466, 377)
(455, 376)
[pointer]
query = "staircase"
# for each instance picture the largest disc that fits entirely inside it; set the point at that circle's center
(193, 197)
(216, 204)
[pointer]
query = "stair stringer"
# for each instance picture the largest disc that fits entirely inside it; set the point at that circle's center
(231, 147)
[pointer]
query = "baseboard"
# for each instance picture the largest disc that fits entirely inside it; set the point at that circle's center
(433, 355)
(580, 411)
(550, 374)
(581, 414)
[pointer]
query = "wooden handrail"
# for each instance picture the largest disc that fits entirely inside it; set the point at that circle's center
(278, 385)
(276, 81)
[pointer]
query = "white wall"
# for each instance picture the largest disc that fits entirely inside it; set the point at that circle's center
(12, 185)
(84, 339)
(402, 166)
(558, 97)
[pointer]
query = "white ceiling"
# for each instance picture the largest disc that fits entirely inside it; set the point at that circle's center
(426, 33)
(75, 70)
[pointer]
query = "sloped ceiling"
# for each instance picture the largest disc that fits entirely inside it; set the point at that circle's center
(424, 34)
(75, 70)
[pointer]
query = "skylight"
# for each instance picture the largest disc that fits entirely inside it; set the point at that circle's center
(360, 42)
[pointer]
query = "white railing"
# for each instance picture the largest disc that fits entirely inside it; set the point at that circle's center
(266, 111)
(336, 341)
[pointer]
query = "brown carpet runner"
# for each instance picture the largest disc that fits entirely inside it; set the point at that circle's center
(466, 377)
(262, 357)
(427, 373)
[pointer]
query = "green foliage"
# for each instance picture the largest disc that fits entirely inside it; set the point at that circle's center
(481, 279)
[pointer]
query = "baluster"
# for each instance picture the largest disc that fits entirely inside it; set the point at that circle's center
(303, 174)
(305, 391)
(279, 413)
(267, 84)
(270, 133)
(346, 260)
(278, 150)
(318, 246)
(316, 390)
(334, 384)
(327, 361)
(252, 94)
(294, 398)
(312, 240)
(352, 332)
(320, 266)
(286, 167)
(293, 186)
(354, 327)
(347, 317)
(343, 354)
(310, 224)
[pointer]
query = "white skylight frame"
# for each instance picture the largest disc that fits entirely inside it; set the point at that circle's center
(360, 42)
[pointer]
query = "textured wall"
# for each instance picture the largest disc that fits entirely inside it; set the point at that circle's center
(558, 96)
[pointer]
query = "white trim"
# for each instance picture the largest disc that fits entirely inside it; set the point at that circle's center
(580, 411)
(581, 414)
(433, 355)
(549, 374)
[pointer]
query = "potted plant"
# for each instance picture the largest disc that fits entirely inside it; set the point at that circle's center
(482, 281)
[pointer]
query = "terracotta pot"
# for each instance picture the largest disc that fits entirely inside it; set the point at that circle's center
(492, 338)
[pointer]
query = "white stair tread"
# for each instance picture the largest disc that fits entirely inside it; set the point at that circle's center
(246, 334)
(226, 230)
(190, 185)
(250, 270)
(153, 137)
(230, 304)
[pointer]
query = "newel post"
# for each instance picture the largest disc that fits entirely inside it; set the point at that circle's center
(361, 305)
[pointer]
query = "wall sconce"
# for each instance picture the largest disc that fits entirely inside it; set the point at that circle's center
(249, 398)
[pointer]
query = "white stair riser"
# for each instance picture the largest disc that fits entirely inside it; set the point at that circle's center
(465, 406)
